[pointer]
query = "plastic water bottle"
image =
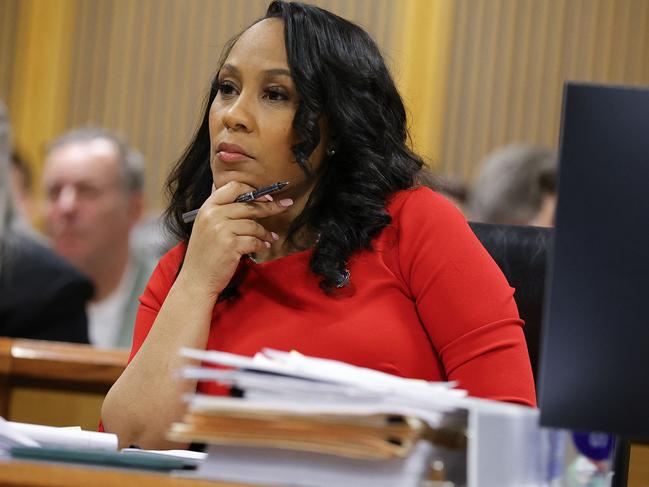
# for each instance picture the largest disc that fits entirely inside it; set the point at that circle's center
(592, 466)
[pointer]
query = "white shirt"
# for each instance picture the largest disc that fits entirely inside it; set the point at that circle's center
(105, 316)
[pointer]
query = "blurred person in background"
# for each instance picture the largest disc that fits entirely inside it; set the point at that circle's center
(516, 185)
(22, 184)
(548, 184)
(150, 237)
(41, 296)
(94, 198)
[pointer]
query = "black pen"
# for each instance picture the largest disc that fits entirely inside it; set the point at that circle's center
(258, 193)
(190, 216)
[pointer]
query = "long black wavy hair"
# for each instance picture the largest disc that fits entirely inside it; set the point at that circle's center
(342, 79)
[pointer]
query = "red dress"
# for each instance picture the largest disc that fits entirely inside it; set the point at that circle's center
(427, 302)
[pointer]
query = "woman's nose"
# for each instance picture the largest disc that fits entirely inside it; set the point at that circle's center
(238, 115)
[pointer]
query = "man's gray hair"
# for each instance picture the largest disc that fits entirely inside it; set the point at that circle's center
(509, 186)
(6, 202)
(8, 215)
(131, 161)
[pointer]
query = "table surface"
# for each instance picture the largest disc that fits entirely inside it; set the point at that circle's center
(18, 473)
(15, 473)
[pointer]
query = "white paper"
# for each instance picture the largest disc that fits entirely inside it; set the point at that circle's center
(10, 437)
(50, 436)
(297, 365)
(304, 385)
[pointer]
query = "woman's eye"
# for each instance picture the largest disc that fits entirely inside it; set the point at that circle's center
(226, 88)
(275, 94)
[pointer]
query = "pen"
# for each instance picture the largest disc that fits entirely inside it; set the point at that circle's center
(257, 193)
(190, 216)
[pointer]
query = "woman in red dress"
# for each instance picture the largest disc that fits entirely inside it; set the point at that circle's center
(349, 261)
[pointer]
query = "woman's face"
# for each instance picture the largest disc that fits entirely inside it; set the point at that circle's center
(251, 118)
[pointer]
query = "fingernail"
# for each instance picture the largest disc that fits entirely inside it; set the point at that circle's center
(267, 244)
(286, 202)
(275, 236)
(268, 197)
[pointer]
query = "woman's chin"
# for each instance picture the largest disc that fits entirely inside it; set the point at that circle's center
(238, 177)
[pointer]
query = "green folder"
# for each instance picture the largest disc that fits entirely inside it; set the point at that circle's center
(141, 460)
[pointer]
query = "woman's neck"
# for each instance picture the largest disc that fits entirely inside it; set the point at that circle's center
(303, 239)
(280, 224)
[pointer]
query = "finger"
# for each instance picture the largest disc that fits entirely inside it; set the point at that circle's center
(250, 245)
(253, 229)
(228, 193)
(242, 211)
(256, 210)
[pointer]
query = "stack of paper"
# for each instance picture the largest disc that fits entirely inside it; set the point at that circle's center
(314, 422)
(275, 466)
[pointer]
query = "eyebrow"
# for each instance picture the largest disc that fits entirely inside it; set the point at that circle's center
(268, 72)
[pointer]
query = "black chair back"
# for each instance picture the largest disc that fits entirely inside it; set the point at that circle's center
(521, 252)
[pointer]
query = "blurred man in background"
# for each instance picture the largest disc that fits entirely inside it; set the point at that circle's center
(94, 197)
(516, 185)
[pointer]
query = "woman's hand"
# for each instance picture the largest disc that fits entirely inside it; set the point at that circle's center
(224, 231)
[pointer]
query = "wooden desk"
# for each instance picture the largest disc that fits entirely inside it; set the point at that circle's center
(36, 474)
(639, 466)
(58, 384)
(61, 384)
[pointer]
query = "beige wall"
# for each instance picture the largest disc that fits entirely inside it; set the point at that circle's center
(144, 67)
(511, 57)
(474, 73)
(139, 67)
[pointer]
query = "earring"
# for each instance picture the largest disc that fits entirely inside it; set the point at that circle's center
(331, 151)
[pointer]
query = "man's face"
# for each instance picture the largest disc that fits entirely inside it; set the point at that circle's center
(88, 213)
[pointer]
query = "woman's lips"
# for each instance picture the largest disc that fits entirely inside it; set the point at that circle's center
(231, 153)
(226, 156)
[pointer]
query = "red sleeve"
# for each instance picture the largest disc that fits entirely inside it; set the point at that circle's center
(463, 299)
(155, 294)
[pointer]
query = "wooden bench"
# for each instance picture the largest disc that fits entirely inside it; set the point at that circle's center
(57, 384)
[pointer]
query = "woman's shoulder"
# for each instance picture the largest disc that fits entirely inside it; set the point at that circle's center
(421, 202)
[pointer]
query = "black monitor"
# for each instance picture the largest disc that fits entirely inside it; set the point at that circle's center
(595, 360)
